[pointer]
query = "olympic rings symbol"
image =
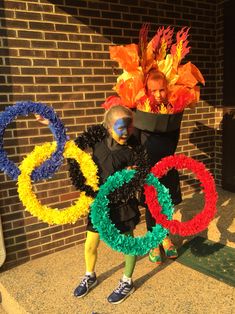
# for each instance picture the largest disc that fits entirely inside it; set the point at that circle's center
(48, 158)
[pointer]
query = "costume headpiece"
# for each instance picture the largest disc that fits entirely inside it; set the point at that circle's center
(159, 54)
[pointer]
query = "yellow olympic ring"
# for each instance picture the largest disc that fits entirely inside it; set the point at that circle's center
(29, 199)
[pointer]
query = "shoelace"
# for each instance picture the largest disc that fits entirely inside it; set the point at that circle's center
(120, 287)
(84, 281)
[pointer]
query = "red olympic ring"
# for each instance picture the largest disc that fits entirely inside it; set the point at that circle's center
(200, 221)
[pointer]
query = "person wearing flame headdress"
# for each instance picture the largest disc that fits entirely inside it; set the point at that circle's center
(157, 87)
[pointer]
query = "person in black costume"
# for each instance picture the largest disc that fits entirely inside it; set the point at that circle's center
(111, 154)
(159, 145)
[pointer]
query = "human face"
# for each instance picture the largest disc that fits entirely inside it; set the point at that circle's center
(121, 129)
(157, 88)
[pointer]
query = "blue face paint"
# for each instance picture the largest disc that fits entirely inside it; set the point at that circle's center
(121, 126)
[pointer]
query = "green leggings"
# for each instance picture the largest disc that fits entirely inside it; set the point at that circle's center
(130, 262)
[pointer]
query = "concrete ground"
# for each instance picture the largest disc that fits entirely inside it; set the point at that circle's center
(46, 285)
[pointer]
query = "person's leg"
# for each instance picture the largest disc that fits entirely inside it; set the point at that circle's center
(130, 262)
(149, 220)
(154, 253)
(89, 280)
(91, 249)
(125, 286)
(168, 246)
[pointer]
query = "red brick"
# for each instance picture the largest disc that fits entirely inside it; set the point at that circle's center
(75, 238)
(54, 18)
(39, 241)
(46, 44)
(63, 234)
(42, 26)
(69, 196)
(52, 245)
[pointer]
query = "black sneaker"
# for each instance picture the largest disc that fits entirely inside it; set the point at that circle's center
(123, 290)
(85, 286)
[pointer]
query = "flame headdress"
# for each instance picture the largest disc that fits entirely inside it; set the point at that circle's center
(161, 54)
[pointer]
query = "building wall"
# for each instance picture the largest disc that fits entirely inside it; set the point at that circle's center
(56, 52)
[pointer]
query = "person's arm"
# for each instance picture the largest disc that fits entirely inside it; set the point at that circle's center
(41, 120)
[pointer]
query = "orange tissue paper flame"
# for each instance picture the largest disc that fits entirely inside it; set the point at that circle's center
(126, 56)
(189, 75)
(130, 90)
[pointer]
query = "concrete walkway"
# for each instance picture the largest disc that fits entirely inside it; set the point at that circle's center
(46, 285)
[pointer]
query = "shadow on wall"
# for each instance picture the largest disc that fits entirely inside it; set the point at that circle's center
(105, 18)
(203, 137)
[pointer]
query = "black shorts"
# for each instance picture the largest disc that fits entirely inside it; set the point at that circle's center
(125, 217)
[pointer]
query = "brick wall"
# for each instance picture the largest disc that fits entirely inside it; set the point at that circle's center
(56, 52)
(219, 90)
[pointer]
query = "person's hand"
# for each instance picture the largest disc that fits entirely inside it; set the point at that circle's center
(41, 120)
(131, 167)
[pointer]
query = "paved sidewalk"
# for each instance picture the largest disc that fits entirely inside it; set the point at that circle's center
(46, 285)
(2, 311)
